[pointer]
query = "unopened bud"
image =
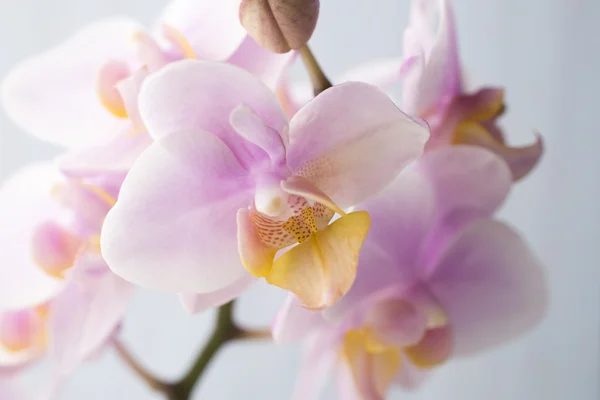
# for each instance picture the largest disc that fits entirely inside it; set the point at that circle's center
(280, 25)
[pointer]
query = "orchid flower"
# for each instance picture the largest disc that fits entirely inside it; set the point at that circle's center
(228, 183)
(57, 295)
(437, 278)
(86, 97)
(433, 89)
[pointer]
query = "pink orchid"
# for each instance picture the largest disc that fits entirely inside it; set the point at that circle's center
(433, 89)
(228, 183)
(437, 278)
(86, 97)
(57, 295)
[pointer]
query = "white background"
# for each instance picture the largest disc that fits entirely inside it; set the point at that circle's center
(546, 52)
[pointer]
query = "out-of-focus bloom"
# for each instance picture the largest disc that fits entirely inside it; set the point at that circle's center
(83, 94)
(433, 89)
(57, 295)
(223, 147)
(12, 389)
(437, 278)
(280, 25)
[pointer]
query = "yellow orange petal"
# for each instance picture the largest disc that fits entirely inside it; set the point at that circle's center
(322, 269)
(373, 372)
(256, 257)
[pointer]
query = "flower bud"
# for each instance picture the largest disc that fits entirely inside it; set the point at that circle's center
(280, 25)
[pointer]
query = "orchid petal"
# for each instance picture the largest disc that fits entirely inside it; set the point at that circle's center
(52, 95)
(115, 157)
(439, 78)
(256, 256)
(410, 376)
(433, 349)
(521, 160)
(212, 28)
(318, 360)
(322, 269)
(108, 296)
(351, 141)
(294, 321)
(196, 96)
(174, 225)
(396, 322)
(252, 128)
(25, 203)
(491, 286)
(373, 372)
(195, 303)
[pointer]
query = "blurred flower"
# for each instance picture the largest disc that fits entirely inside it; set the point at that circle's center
(437, 278)
(83, 94)
(223, 147)
(280, 25)
(57, 295)
(433, 89)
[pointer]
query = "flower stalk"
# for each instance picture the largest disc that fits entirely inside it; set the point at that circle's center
(317, 76)
(225, 330)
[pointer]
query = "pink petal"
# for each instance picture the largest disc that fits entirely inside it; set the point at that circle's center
(115, 157)
(383, 73)
(438, 78)
(193, 95)
(109, 296)
(351, 141)
(86, 315)
(434, 349)
(344, 382)
(174, 225)
(396, 322)
(319, 358)
(410, 377)
(195, 303)
(53, 96)
(25, 203)
(252, 128)
(293, 321)
(491, 286)
(212, 28)
(466, 177)
(267, 66)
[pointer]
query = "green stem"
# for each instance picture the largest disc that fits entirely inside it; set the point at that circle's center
(225, 330)
(139, 370)
(317, 76)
